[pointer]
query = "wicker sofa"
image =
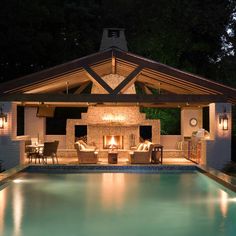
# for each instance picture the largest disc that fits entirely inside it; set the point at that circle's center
(86, 153)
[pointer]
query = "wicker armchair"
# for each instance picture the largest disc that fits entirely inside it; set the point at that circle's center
(86, 156)
(85, 146)
(141, 156)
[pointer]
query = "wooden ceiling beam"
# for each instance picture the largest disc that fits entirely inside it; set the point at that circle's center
(82, 87)
(114, 98)
(166, 79)
(145, 89)
(128, 81)
(97, 79)
(123, 68)
(175, 73)
(55, 72)
(113, 65)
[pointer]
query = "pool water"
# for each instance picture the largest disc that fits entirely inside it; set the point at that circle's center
(116, 204)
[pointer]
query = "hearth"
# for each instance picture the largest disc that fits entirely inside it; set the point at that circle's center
(113, 142)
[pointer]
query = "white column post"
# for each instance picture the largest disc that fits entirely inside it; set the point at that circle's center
(218, 148)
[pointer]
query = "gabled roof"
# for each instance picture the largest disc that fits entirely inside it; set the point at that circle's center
(150, 76)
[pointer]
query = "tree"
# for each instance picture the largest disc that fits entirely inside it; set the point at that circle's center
(38, 34)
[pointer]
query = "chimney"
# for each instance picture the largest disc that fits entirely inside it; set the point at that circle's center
(113, 37)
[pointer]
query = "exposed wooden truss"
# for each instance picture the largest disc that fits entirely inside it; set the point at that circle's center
(145, 89)
(82, 88)
(128, 81)
(97, 79)
(174, 73)
(78, 74)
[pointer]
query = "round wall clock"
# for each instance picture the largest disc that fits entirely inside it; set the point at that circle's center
(193, 122)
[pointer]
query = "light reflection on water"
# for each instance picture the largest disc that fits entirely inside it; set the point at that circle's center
(187, 204)
(113, 190)
(223, 202)
(3, 201)
(18, 207)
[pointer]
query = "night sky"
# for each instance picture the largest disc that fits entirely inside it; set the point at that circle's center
(190, 35)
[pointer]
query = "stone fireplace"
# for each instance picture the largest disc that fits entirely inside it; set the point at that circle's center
(104, 122)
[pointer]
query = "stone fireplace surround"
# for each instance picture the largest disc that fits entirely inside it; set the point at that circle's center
(112, 120)
(97, 127)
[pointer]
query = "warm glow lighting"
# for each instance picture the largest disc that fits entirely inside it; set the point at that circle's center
(113, 118)
(113, 189)
(17, 181)
(113, 61)
(112, 141)
(223, 121)
(18, 202)
(223, 202)
(232, 199)
(1, 122)
(3, 119)
(3, 201)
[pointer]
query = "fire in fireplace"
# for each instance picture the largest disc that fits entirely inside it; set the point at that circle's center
(113, 142)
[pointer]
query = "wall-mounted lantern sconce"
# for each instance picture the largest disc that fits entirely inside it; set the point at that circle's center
(3, 119)
(224, 121)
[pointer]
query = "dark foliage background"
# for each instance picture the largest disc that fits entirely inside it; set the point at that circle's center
(192, 35)
(186, 34)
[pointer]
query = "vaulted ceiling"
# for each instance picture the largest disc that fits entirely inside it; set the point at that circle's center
(158, 84)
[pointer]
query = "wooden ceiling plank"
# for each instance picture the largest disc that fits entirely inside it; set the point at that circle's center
(180, 75)
(159, 85)
(48, 86)
(187, 85)
(55, 72)
(122, 65)
(103, 68)
(180, 84)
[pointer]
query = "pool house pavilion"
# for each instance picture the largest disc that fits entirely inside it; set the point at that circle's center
(101, 89)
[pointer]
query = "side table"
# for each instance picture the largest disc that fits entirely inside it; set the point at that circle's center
(157, 153)
(112, 157)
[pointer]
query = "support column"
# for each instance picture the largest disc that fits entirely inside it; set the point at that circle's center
(10, 149)
(218, 148)
(187, 115)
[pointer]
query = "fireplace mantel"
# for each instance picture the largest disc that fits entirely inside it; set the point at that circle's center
(114, 124)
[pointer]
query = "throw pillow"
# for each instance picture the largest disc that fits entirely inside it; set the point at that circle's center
(148, 143)
(140, 147)
(82, 147)
(145, 147)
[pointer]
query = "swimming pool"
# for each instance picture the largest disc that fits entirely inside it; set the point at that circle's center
(116, 204)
